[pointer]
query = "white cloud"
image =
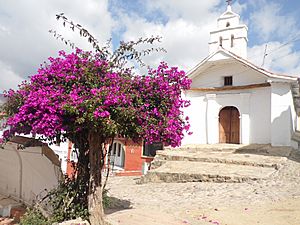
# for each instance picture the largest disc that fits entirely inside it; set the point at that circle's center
(24, 39)
(9, 79)
(239, 8)
(185, 34)
(268, 21)
(279, 30)
(280, 58)
(199, 12)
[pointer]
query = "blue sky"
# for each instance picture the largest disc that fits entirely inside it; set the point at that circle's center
(184, 25)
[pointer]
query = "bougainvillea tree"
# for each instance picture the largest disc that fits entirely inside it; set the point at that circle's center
(83, 97)
(92, 97)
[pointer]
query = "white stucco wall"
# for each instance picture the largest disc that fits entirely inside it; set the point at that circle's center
(197, 113)
(239, 40)
(254, 106)
(233, 19)
(214, 77)
(260, 116)
(26, 174)
(62, 152)
(283, 115)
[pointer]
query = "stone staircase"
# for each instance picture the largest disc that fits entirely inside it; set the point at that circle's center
(216, 163)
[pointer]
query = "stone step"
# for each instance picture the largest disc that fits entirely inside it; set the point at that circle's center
(187, 171)
(264, 157)
(216, 163)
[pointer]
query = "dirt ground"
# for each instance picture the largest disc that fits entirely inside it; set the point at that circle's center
(272, 201)
(272, 213)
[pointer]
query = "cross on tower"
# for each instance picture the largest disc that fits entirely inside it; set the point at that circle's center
(229, 2)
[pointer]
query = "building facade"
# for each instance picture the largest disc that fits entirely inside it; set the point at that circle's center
(128, 158)
(235, 101)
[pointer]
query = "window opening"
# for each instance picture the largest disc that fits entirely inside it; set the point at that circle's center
(232, 38)
(228, 81)
(150, 149)
(73, 156)
(114, 148)
(119, 150)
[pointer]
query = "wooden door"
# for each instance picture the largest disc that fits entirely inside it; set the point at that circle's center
(229, 125)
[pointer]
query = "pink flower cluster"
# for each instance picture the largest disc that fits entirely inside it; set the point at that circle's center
(81, 90)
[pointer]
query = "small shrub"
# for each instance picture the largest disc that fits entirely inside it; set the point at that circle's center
(34, 217)
(66, 202)
(69, 200)
(106, 200)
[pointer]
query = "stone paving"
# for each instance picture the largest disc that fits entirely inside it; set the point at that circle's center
(174, 199)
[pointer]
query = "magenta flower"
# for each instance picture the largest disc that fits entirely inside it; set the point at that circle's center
(79, 90)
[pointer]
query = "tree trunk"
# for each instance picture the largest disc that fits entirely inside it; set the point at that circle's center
(96, 208)
(95, 205)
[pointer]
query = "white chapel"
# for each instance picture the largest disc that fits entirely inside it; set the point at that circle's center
(235, 101)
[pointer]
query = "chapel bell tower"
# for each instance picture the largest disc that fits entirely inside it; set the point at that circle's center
(230, 34)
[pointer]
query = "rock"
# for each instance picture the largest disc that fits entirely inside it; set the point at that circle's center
(6, 221)
(77, 221)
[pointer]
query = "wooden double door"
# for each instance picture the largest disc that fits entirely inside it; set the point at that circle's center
(229, 125)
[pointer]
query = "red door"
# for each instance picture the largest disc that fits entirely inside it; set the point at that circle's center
(229, 125)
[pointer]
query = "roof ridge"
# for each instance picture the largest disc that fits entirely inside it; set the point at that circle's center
(258, 67)
(244, 61)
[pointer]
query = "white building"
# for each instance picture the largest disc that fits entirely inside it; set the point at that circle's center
(234, 101)
(61, 151)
